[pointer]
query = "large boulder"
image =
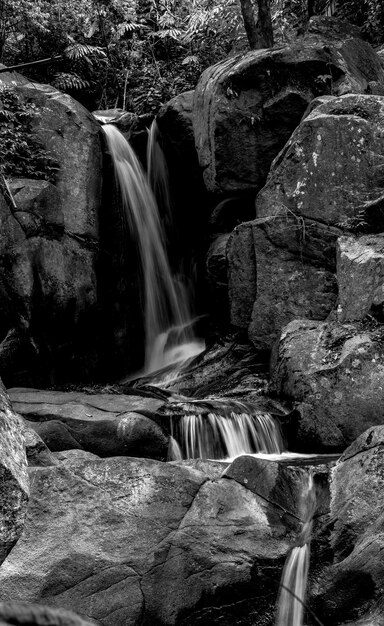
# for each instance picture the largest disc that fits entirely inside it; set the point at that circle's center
(14, 486)
(326, 182)
(335, 373)
(349, 589)
(128, 541)
(246, 107)
(49, 245)
(103, 424)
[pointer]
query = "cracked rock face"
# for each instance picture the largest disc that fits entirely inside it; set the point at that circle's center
(328, 180)
(350, 588)
(14, 486)
(129, 541)
(336, 373)
(246, 107)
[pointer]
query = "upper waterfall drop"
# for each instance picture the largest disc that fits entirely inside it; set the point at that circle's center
(169, 335)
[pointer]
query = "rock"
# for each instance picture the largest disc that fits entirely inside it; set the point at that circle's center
(293, 277)
(14, 486)
(103, 424)
(348, 590)
(124, 541)
(241, 274)
(338, 372)
(319, 188)
(49, 245)
(360, 277)
(38, 454)
(332, 168)
(187, 198)
(247, 107)
(20, 614)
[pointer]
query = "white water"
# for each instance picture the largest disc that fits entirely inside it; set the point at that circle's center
(229, 430)
(168, 325)
(290, 610)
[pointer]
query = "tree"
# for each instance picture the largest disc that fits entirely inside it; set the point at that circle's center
(260, 33)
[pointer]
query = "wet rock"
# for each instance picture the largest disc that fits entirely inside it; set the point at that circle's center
(103, 424)
(178, 545)
(337, 372)
(14, 485)
(348, 591)
(20, 614)
(360, 277)
(247, 107)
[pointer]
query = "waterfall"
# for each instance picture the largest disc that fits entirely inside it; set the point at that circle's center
(157, 172)
(168, 325)
(224, 430)
(290, 610)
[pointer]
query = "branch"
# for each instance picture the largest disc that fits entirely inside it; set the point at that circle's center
(12, 68)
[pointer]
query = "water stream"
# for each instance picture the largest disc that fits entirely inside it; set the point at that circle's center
(169, 334)
(290, 608)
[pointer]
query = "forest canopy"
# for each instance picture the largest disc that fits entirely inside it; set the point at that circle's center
(137, 54)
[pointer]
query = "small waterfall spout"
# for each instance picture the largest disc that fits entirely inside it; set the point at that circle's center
(224, 430)
(168, 325)
(290, 610)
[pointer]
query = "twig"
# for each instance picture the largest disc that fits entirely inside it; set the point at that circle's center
(9, 192)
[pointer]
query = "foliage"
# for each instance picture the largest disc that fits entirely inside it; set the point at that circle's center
(137, 54)
(21, 153)
(368, 14)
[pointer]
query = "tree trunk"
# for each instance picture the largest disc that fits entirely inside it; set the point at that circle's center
(260, 34)
(264, 24)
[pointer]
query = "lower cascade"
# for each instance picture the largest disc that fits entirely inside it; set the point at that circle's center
(223, 430)
(290, 610)
(169, 337)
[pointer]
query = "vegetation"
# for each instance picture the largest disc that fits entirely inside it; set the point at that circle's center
(21, 154)
(137, 54)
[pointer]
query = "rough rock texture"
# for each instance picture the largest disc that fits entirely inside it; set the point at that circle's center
(337, 371)
(48, 245)
(328, 180)
(24, 614)
(104, 424)
(294, 275)
(332, 168)
(247, 107)
(128, 541)
(349, 590)
(360, 277)
(14, 486)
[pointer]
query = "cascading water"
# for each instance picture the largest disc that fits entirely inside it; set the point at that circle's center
(290, 610)
(224, 430)
(157, 172)
(168, 325)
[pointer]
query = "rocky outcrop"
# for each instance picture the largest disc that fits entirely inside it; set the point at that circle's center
(336, 373)
(360, 277)
(247, 107)
(348, 590)
(327, 181)
(14, 486)
(49, 244)
(104, 424)
(138, 541)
